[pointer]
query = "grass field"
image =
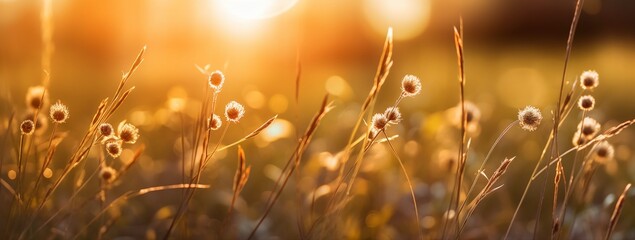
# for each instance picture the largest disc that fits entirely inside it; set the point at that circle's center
(296, 119)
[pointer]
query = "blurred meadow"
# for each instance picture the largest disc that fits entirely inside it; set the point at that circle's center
(280, 58)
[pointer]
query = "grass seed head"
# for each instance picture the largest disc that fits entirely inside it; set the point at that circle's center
(27, 127)
(529, 118)
(216, 80)
(34, 98)
(393, 115)
(113, 147)
(589, 127)
(234, 111)
(603, 152)
(59, 113)
(379, 121)
(106, 129)
(578, 139)
(586, 103)
(214, 122)
(108, 174)
(40, 125)
(410, 86)
(128, 133)
(589, 79)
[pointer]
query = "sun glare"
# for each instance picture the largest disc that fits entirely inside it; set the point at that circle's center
(255, 9)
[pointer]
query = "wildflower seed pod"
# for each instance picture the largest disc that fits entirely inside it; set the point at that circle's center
(603, 152)
(27, 127)
(41, 125)
(127, 132)
(393, 115)
(234, 111)
(589, 79)
(216, 80)
(106, 129)
(529, 118)
(108, 174)
(113, 147)
(578, 139)
(379, 121)
(589, 127)
(214, 122)
(34, 98)
(59, 113)
(586, 103)
(410, 86)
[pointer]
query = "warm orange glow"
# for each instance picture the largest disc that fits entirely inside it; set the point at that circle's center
(255, 9)
(409, 18)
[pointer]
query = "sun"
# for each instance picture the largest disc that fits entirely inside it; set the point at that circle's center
(255, 9)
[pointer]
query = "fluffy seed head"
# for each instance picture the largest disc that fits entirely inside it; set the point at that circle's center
(589, 79)
(113, 147)
(393, 115)
(589, 127)
(127, 132)
(578, 139)
(603, 152)
(34, 98)
(40, 125)
(108, 174)
(59, 112)
(586, 103)
(106, 129)
(234, 111)
(379, 121)
(372, 133)
(27, 127)
(529, 118)
(410, 86)
(214, 123)
(216, 80)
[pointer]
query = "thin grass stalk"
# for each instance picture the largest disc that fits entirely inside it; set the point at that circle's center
(194, 180)
(458, 43)
(619, 205)
(412, 192)
(295, 158)
(567, 191)
(132, 194)
(574, 24)
(486, 191)
(485, 160)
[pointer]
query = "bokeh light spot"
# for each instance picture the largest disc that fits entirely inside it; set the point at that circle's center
(278, 103)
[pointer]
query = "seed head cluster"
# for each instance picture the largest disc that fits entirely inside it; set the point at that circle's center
(113, 141)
